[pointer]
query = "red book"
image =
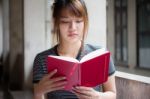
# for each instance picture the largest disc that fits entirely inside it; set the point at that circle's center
(90, 71)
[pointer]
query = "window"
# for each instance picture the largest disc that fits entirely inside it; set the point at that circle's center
(121, 32)
(143, 33)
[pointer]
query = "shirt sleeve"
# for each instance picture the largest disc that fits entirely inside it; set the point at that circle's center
(37, 69)
(111, 67)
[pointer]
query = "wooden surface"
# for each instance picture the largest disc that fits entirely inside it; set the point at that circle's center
(130, 89)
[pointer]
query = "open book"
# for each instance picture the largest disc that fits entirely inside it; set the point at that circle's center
(90, 71)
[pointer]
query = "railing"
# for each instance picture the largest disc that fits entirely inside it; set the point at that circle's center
(130, 86)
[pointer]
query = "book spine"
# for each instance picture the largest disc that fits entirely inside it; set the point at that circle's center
(79, 74)
(107, 59)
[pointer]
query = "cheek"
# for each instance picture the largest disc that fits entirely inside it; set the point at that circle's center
(81, 27)
(62, 28)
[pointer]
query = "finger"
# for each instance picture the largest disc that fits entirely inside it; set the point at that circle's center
(83, 88)
(52, 73)
(58, 84)
(84, 91)
(55, 85)
(48, 76)
(75, 92)
(57, 88)
(53, 80)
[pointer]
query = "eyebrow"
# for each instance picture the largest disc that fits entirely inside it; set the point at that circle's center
(64, 16)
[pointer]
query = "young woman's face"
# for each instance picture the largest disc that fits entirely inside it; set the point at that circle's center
(71, 27)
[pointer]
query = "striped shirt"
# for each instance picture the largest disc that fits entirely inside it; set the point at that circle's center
(40, 69)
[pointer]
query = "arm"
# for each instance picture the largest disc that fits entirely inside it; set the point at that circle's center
(109, 89)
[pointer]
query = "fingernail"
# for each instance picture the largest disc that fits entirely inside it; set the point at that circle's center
(76, 87)
(73, 88)
(63, 77)
(55, 70)
(65, 82)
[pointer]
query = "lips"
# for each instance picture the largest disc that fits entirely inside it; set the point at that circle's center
(72, 34)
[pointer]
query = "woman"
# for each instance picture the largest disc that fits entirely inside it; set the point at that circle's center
(70, 20)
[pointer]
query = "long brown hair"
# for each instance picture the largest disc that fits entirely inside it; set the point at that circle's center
(76, 8)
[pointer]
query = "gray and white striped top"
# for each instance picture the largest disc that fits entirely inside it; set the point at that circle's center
(40, 69)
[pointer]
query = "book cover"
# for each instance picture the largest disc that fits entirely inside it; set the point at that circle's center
(90, 71)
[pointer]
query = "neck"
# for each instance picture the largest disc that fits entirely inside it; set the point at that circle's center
(70, 50)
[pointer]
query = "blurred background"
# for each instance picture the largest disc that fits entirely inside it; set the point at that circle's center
(123, 26)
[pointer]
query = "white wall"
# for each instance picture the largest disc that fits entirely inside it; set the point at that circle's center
(97, 22)
(1, 32)
(34, 34)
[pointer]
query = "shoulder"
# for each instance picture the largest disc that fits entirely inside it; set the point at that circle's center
(90, 47)
(51, 51)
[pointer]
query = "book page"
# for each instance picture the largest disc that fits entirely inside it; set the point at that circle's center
(70, 59)
(94, 54)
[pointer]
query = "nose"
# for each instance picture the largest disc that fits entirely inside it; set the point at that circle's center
(73, 25)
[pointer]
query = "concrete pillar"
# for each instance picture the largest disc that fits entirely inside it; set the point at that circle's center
(34, 35)
(110, 27)
(132, 45)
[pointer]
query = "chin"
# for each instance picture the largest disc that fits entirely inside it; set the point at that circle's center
(74, 40)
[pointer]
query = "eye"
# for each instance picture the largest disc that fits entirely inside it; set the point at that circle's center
(79, 21)
(64, 21)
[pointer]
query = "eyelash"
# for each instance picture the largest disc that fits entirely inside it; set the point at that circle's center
(78, 21)
(64, 21)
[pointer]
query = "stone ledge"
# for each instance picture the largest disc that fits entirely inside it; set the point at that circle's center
(135, 77)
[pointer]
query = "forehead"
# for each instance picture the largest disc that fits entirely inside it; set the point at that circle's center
(68, 13)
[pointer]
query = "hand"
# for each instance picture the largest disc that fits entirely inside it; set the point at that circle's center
(49, 84)
(86, 93)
